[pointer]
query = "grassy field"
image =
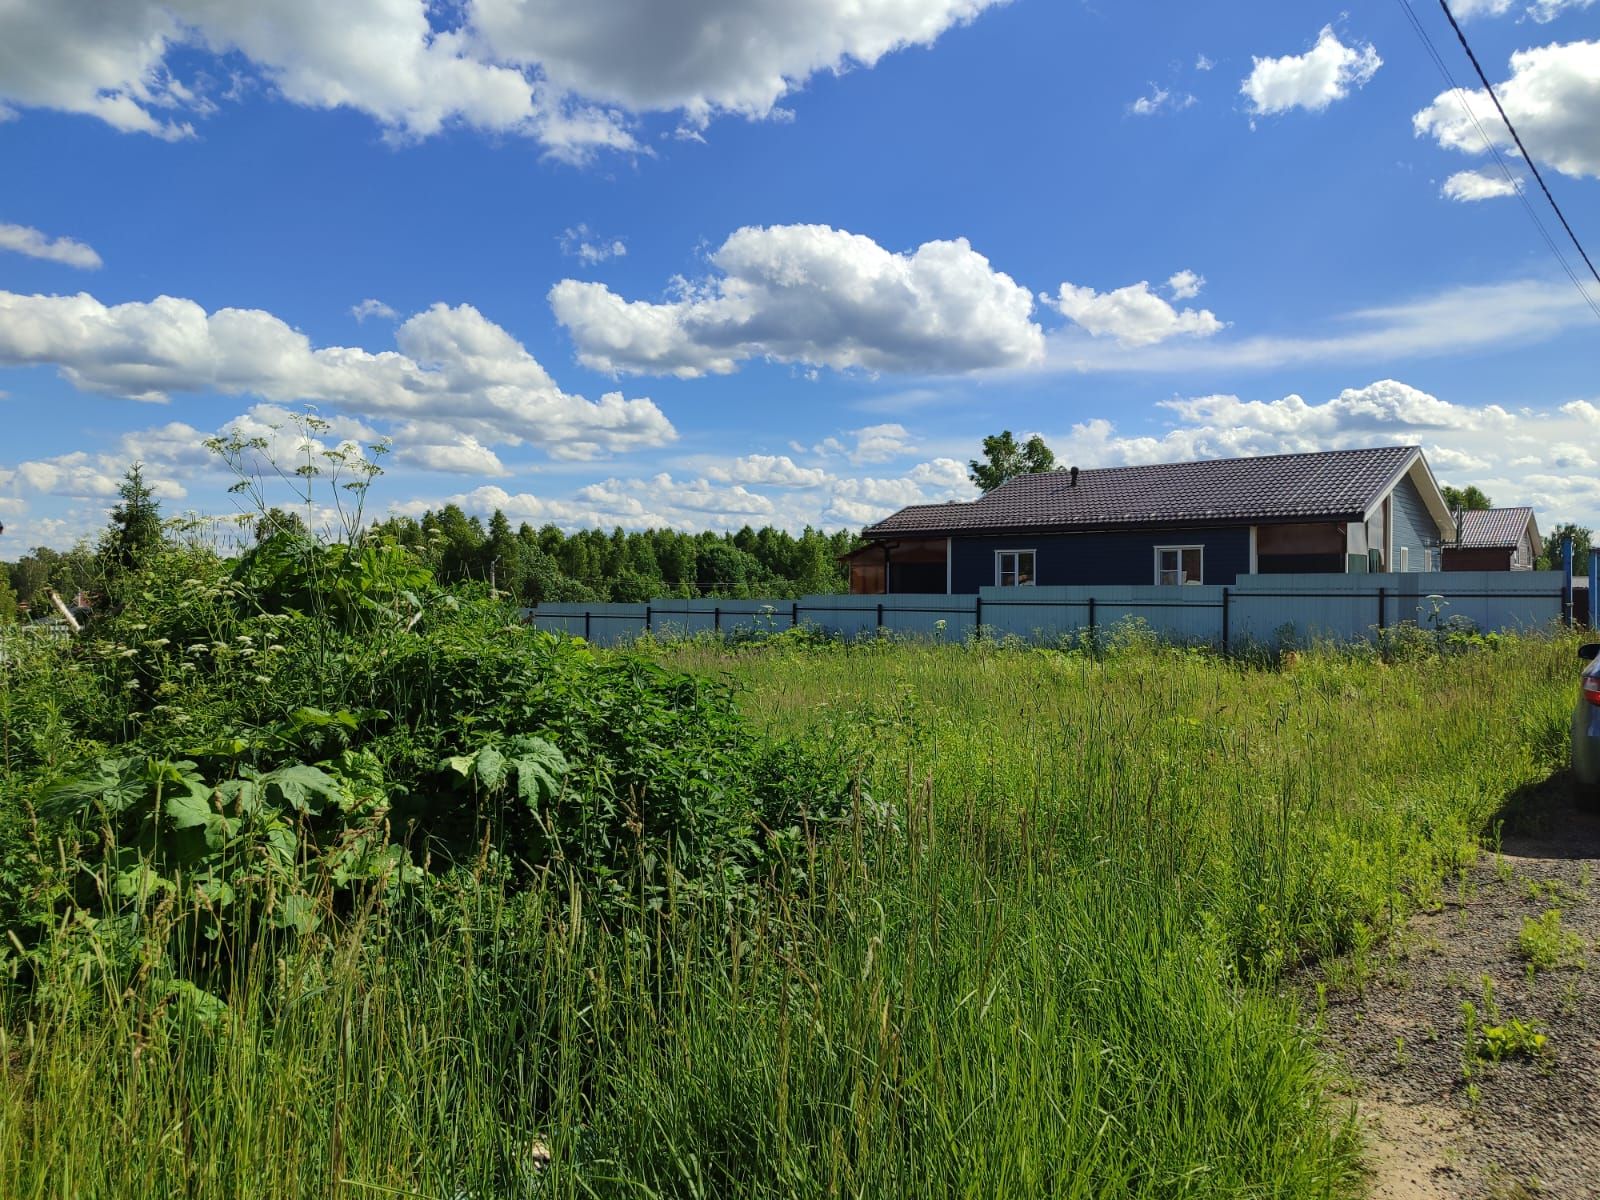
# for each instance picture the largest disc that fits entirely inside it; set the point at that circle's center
(1046, 949)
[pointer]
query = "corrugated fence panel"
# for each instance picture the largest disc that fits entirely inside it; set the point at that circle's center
(1263, 609)
(683, 618)
(1037, 613)
(904, 615)
(1190, 613)
(1491, 600)
(1267, 609)
(603, 624)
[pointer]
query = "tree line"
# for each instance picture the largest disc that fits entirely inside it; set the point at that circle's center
(541, 564)
(527, 564)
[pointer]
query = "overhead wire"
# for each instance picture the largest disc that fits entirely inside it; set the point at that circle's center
(1517, 137)
(1489, 144)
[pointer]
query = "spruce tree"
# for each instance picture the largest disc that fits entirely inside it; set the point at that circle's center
(135, 531)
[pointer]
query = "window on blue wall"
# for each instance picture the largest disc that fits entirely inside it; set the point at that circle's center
(1180, 564)
(1014, 568)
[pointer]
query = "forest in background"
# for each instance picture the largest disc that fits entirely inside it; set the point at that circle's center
(528, 564)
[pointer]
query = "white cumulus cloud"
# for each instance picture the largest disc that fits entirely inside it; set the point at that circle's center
(582, 243)
(1133, 315)
(24, 239)
(1159, 100)
(870, 444)
(1535, 456)
(1185, 285)
(566, 74)
(373, 308)
(1545, 11)
(814, 295)
(1312, 80)
(1552, 98)
(1542, 11)
(772, 470)
(451, 365)
(1479, 185)
(706, 56)
(1453, 321)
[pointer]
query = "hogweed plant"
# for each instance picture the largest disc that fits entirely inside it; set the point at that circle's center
(347, 469)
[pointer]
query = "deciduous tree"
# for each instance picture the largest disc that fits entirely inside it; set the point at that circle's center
(1470, 498)
(1004, 459)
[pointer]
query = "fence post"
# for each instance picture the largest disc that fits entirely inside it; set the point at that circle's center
(716, 619)
(647, 618)
(1566, 581)
(1594, 588)
(1091, 617)
(1224, 620)
(794, 614)
(588, 617)
(1383, 608)
(880, 614)
(977, 614)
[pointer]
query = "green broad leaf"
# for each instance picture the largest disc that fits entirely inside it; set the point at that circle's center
(196, 1003)
(281, 847)
(159, 772)
(304, 788)
(140, 880)
(242, 795)
(220, 831)
(295, 912)
(318, 718)
(115, 785)
(219, 892)
(491, 768)
(220, 747)
(461, 764)
(540, 767)
(190, 808)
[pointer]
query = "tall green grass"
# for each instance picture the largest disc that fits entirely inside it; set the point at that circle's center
(1049, 955)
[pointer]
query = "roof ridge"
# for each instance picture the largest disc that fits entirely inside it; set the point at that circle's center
(1305, 485)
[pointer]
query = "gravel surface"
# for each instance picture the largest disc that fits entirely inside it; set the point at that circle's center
(1441, 1120)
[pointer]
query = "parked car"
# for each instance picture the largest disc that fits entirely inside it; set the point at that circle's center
(1586, 719)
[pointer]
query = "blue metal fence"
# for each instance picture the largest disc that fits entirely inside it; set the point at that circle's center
(1257, 609)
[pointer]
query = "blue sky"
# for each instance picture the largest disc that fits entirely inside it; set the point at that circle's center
(720, 262)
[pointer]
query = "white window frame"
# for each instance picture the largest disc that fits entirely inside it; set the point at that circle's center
(998, 574)
(1160, 550)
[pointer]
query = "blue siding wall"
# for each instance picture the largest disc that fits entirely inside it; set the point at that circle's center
(1412, 527)
(1100, 558)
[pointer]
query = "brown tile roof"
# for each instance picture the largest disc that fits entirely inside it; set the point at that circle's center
(1334, 485)
(1494, 527)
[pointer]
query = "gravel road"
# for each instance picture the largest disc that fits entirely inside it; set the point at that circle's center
(1442, 1120)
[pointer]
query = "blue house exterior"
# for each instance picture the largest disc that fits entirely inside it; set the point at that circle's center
(1124, 557)
(1207, 522)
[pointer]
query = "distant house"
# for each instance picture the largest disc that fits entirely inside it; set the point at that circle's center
(1192, 522)
(1494, 539)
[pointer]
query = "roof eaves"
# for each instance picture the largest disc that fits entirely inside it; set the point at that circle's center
(1023, 528)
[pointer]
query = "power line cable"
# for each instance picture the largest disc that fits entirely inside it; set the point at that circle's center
(1489, 144)
(1517, 137)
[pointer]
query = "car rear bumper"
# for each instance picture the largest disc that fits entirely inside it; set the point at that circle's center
(1586, 743)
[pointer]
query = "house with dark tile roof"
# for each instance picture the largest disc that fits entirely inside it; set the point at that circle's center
(1494, 539)
(1172, 523)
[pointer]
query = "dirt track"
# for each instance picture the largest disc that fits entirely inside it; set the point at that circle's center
(1442, 1121)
